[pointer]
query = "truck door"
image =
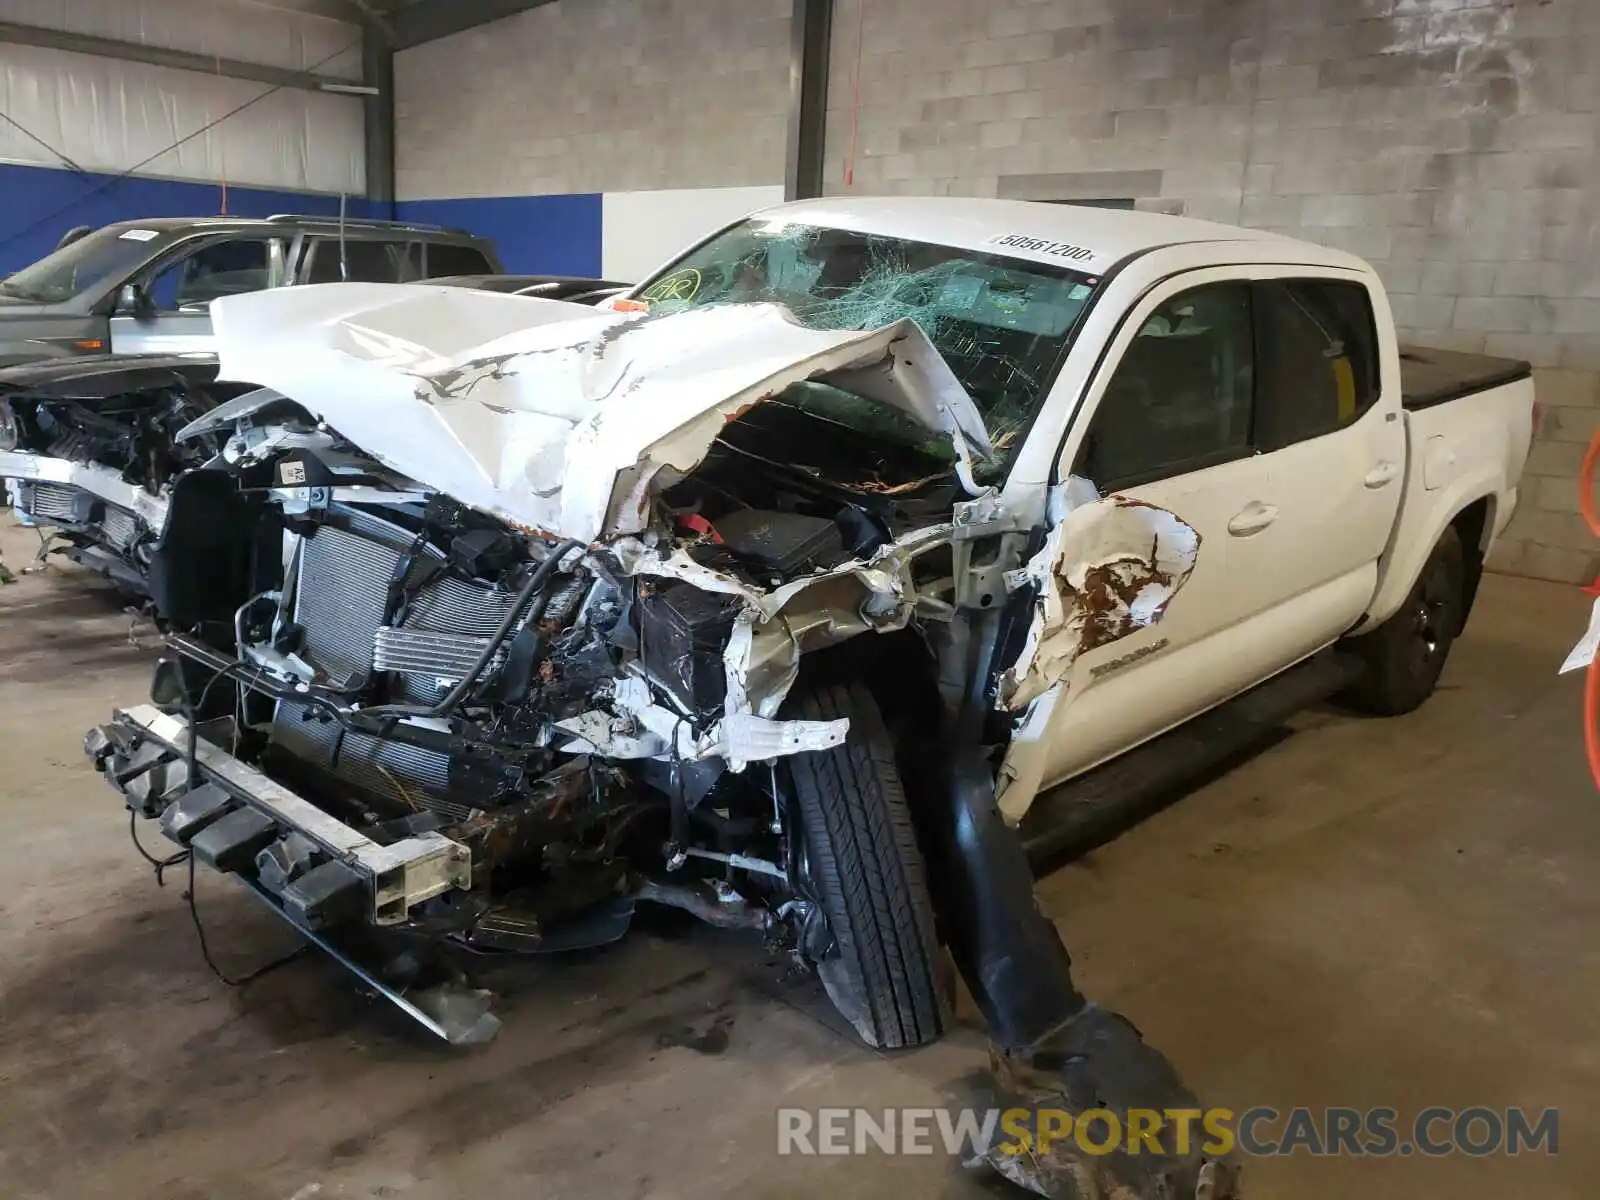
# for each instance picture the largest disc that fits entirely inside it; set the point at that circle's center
(1331, 436)
(172, 309)
(1169, 426)
(1252, 411)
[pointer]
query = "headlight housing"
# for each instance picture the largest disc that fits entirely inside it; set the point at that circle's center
(10, 427)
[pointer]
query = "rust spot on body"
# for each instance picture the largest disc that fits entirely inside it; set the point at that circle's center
(1107, 597)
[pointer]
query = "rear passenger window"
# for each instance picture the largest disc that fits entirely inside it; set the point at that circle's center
(446, 260)
(1317, 355)
(1180, 399)
(366, 261)
(409, 258)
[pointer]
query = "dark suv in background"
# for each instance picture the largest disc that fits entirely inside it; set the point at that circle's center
(145, 287)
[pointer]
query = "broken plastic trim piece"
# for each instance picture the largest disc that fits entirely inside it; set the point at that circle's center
(458, 1014)
(644, 729)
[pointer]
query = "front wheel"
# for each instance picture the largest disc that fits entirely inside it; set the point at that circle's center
(867, 873)
(1406, 654)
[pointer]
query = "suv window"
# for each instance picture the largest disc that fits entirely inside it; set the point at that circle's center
(1318, 355)
(100, 259)
(368, 261)
(218, 269)
(445, 259)
(1181, 397)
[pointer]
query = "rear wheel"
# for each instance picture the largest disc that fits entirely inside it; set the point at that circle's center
(1406, 654)
(867, 873)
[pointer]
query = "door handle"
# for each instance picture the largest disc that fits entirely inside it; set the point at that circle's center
(1252, 519)
(1381, 475)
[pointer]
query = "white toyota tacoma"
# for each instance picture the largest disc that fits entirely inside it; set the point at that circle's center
(867, 546)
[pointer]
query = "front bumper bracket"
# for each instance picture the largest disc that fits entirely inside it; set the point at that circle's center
(144, 750)
(327, 880)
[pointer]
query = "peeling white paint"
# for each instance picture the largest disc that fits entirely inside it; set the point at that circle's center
(1107, 570)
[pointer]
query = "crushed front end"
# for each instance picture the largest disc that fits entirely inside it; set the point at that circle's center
(417, 723)
(88, 454)
(493, 619)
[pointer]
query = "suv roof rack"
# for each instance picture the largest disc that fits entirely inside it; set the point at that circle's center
(366, 223)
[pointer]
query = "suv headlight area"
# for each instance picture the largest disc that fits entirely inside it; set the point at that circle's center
(10, 427)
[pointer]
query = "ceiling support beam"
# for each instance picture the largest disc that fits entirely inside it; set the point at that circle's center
(431, 20)
(810, 42)
(178, 60)
(377, 71)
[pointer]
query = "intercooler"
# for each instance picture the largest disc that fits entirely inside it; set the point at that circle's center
(341, 596)
(53, 502)
(120, 526)
(63, 504)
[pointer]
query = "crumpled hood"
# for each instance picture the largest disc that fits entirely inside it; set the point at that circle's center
(536, 410)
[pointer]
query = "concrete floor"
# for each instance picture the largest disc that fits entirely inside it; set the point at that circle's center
(1401, 913)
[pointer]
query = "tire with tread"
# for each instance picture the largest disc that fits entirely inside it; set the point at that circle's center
(868, 874)
(1406, 654)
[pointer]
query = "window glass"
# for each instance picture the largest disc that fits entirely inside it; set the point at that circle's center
(1001, 323)
(1180, 398)
(1318, 359)
(368, 261)
(107, 256)
(408, 259)
(219, 269)
(444, 259)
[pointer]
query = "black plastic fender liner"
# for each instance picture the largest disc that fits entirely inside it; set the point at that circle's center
(1014, 963)
(1010, 954)
(1100, 1063)
(1052, 1049)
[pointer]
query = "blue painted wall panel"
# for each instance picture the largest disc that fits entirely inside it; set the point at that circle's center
(39, 204)
(556, 235)
(537, 235)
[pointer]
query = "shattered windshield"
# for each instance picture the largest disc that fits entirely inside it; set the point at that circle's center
(107, 254)
(1001, 323)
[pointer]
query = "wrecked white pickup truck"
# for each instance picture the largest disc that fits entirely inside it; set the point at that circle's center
(779, 591)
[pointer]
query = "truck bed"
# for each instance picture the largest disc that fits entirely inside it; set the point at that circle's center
(1429, 376)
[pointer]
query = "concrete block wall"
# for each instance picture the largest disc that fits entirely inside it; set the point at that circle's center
(534, 128)
(1451, 142)
(596, 96)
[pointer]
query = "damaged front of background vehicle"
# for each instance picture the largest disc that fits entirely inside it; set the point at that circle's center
(87, 452)
(512, 617)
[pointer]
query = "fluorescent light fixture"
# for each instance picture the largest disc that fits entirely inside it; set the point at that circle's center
(349, 89)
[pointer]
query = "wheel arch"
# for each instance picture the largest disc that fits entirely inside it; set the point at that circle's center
(1475, 525)
(1470, 507)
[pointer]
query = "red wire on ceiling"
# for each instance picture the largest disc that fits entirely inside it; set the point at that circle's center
(855, 112)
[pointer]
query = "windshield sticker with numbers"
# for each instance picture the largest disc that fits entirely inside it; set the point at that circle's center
(1020, 241)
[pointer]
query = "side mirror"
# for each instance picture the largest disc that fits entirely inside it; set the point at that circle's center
(134, 301)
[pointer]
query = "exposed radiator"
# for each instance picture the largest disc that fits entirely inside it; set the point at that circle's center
(417, 778)
(58, 502)
(341, 594)
(121, 526)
